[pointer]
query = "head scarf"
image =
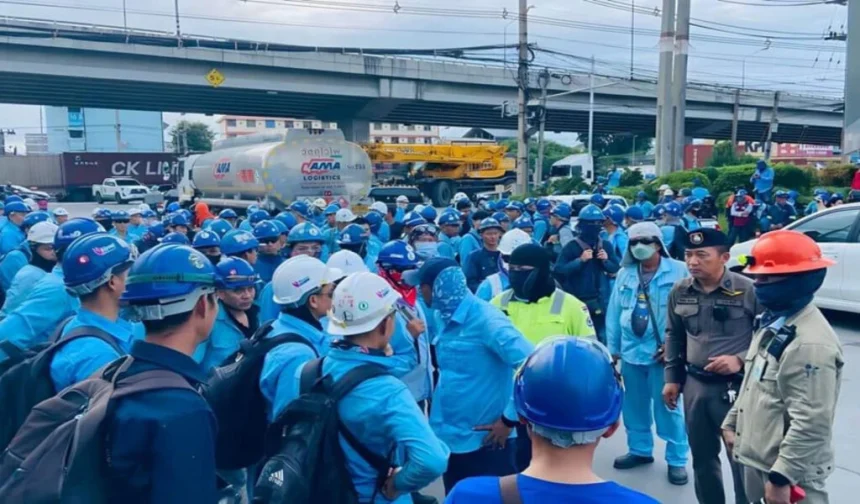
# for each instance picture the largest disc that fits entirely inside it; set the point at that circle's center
(201, 213)
(534, 284)
(449, 290)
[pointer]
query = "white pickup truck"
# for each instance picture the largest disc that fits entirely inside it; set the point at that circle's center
(120, 189)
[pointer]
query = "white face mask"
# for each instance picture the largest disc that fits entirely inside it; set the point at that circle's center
(427, 250)
(642, 252)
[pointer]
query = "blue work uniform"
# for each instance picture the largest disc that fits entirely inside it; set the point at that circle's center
(35, 320)
(486, 490)
(383, 415)
(266, 265)
(763, 184)
(279, 379)
(12, 263)
(588, 281)
(269, 310)
(780, 215)
(21, 286)
(630, 334)
(468, 244)
(479, 265)
(372, 250)
(161, 443)
(225, 337)
(384, 233)
(541, 227)
(700, 193)
(493, 285)
(449, 246)
(330, 237)
(647, 208)
(617, 240)
(128, 237)
(411, 361)
(11, 236)
(136, 230)
(399, 214)
(691, 222)
(79, 359)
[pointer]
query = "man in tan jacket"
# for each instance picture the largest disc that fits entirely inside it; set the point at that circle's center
(781, 426)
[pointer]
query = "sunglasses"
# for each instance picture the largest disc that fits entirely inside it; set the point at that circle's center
(643, 241)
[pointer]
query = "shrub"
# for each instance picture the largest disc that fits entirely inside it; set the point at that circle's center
(679, 179)
(794, 177)
(628, 193)
(631, 178)
(836, 175)
(731, 177)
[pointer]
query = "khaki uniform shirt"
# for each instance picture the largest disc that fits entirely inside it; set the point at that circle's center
(693, 334)
(783, 418)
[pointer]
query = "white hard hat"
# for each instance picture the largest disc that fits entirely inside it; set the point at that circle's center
(513, 239)
(402, 199)
(143, 207)
(668, 192)
(134, 211)
(380, 207)
(347, 261)
(419, 208)
(664, 187)
(320, 203)
(344, 215)
(60, 211)
(299, 277)
(360, 303)
(30, 202)
(95, 211)
(459, 196)
(42, 233)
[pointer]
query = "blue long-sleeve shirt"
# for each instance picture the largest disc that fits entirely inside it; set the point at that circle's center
(21, 286)
(411, 359)
(224, 339)
(468, 244)
(266, 265)
(11, 237)
(12, 264)
(477, 352)
(541, 227)
(764, 182)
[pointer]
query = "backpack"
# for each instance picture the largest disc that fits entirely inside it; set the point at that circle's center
(28, 382)
(309, 465)
(59, 453)
(16, 355)
(233, 393)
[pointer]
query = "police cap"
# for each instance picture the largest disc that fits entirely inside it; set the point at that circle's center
(705, 237)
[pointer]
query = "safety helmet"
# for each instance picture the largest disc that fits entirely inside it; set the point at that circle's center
(42, 233)
(449, 219)
(287, 219)
(331, 209)
(543, 205)
(282, 228)
(674, 209)
(515, 205)
(460, 196)
(155, 231)
(134, 211)
(615, 213)
(206, 239)
(429, 213)
(668, 192)
(818, 192)
(235, 273)
(60, 212)
(501, 217)
(266, 230)
(177, 238)
(598, 199)
(591, 213)
(360, 303)
(206, 222)
(16, 206)
(344, 215)
(305, 232)
(237, 242)
(550, 392)
(423, 230)
(352, 234)
(664, 187)
(836, 197)
(413, 219)
(347, 261)
(686, 192)
(374, 219)
(228, 213)
(418, 208)
(320, 203)
(13, 198)
(168, 280)
(742, 193)
(793, 195)
(148, 214)
(173, 207)
(528, 201)
(73, 229)
(784, 252)
(91, 260)
(220, 227)
(299, 277)
(463, 204)
(177, 219)
(402, 199)
(34, 218)
(397, 255)
(513, 239)
(120, 216)
(635, 213)
(659, 211)
(301, 208)
(523, 222)
(258, 216)
(379, 206)
(781, 194)
(562, 211)
(31, 204)
(251, 209)
(490, 223)
(641, 195)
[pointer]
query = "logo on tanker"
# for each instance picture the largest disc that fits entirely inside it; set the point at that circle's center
(222, 168)
(317, 166)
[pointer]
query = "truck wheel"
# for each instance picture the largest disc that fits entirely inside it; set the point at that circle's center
(118, 199)
(441, 193)
(99, 198)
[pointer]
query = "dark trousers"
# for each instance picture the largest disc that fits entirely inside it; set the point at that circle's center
(599, 322)
(485, 462)
(524, 448)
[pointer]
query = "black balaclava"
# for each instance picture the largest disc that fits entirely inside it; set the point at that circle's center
(40, 262)
(534, 284)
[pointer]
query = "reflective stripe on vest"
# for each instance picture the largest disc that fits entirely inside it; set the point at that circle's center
(495, 284)
(558, 298)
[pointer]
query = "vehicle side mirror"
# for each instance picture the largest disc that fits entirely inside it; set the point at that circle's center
(812, 234)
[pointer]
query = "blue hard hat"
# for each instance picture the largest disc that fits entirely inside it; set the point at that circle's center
(674, 209)
(582, 192)
(515, 205)
(258, 216)
(17, 206)
(251, 209)
(836, 197)
(591, 213)
(188, 215)
(615, 213)
(155, 231)
(449, 219)
(543, 205)
(73, 229)
(148, 214)
(237, 241)
(741, 193)
(691, 203)
(168, 272)
(177, 238)
(120, 216)
(331, 209)
(228, 213)
(352, 234)
(173, 207)
(502, 204)
(103, 214)
(220, 227)
(266, 230)
(598, 199)
(793, 195)
(501, 217)
(686, 192)
(235, 273)
(781, 194)
(13, 198)
(423, 230)
(562, 211)
(490, 223)
(287, 219)
(642, 195)
(528, 201)
(301, 208)
(818, 192)
(413, 219)
(659, 211)
(305, 232)
(34, 218)
(397, 255)
(635, 213)
(523, 222)
(568, 384)
(91, 260)
(206, 239)
(374, 219)
(429, 213)
(177, 219)
(282, 228)
(207, 222)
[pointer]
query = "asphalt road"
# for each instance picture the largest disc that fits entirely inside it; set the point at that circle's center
(652, 479)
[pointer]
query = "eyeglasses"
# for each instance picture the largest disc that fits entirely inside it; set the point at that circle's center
(308, 249)
(643, 241)
(269, 241)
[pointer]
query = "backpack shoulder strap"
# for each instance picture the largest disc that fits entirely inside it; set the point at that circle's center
(280, 339)
(311, 372)
(584, 246)
(263, 330)
(341, 387)
(509, 489)
(58, 332)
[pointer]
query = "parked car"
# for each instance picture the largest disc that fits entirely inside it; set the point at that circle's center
(121, 190)
(25, 192)
(837, 232)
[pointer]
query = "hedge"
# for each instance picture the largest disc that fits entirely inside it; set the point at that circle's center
(837, 175)
(681, 179)
(795, 177)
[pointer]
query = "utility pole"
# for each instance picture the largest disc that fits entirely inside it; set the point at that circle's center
(735, 117)
(851, 125)
(632, 36)
(633, 153)
(522, 87)
(543, 80)
(124, 16)
(773, 127)
(3, 134)
(679, 82)
(178, 31)
(591, 109)
(664, 128)
(117, 127)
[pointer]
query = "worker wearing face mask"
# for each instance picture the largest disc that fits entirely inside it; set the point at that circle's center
(425, 240)
(496, 283)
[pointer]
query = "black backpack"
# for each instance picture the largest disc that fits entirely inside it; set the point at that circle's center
(59, 455)
(308, 464)
(28, 382)
(16, 355)
(233, 393)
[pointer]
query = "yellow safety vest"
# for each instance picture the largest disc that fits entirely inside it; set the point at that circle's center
(560, 314)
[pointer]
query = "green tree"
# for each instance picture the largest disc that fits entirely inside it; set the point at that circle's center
(189, 136)
(610, 144)
(552, 152)
(725, 154)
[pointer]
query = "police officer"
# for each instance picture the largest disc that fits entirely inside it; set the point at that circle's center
(710, 324)
(781, 426)
(496, 283)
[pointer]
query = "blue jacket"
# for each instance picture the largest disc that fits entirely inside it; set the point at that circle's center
(36, 319)
(493, 285)
(477, 352)
(700, 193)
(224, 339)
(161, 443)
(647, 207)
(374, 247)
(588, 281)
(78, 360)
(11, 236)
(266, 266)
(383, 415)
(384, 233)
(411, 361)
(469, 243)
(620, 337)
(21, 286)
(691, 223)
(279, 380)
(618, 240)
(764, 182)
(779, 214)
(399, 214)
(479, 265)
(449, 247)
(246, 226)
(12, 264)
(541, 227)
(269, 310)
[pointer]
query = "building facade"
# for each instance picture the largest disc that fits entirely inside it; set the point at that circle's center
(404, 133)
(81, 129)
(232, 126)
(36, 143)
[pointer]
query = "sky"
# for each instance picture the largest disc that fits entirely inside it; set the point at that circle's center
(755, 44)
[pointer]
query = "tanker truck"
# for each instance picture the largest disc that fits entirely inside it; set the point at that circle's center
(274, 169)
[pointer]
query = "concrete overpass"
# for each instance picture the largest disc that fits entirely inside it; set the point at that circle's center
(49, 64)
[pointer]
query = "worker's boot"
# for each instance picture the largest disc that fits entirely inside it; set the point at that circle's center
(630, 461)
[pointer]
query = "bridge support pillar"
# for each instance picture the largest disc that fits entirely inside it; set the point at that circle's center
(355, 130)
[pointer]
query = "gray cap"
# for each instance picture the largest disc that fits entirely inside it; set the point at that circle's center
(643, 230)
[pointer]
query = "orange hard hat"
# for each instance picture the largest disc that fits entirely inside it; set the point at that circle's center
(784, 252)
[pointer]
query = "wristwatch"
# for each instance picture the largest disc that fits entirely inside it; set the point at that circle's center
(778, 479)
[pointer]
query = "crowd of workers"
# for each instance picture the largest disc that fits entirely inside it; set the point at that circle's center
(452, 344)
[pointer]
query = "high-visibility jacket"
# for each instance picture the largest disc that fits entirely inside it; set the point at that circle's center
(559, 314)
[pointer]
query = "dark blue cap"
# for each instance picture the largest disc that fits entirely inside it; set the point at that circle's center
(427, 273)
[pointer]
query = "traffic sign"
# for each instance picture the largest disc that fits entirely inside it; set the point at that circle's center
(215, 78)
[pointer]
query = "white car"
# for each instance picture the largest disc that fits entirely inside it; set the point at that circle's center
(837, 232)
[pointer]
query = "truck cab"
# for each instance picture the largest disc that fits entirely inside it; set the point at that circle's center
(575, 165)
(120, 189)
